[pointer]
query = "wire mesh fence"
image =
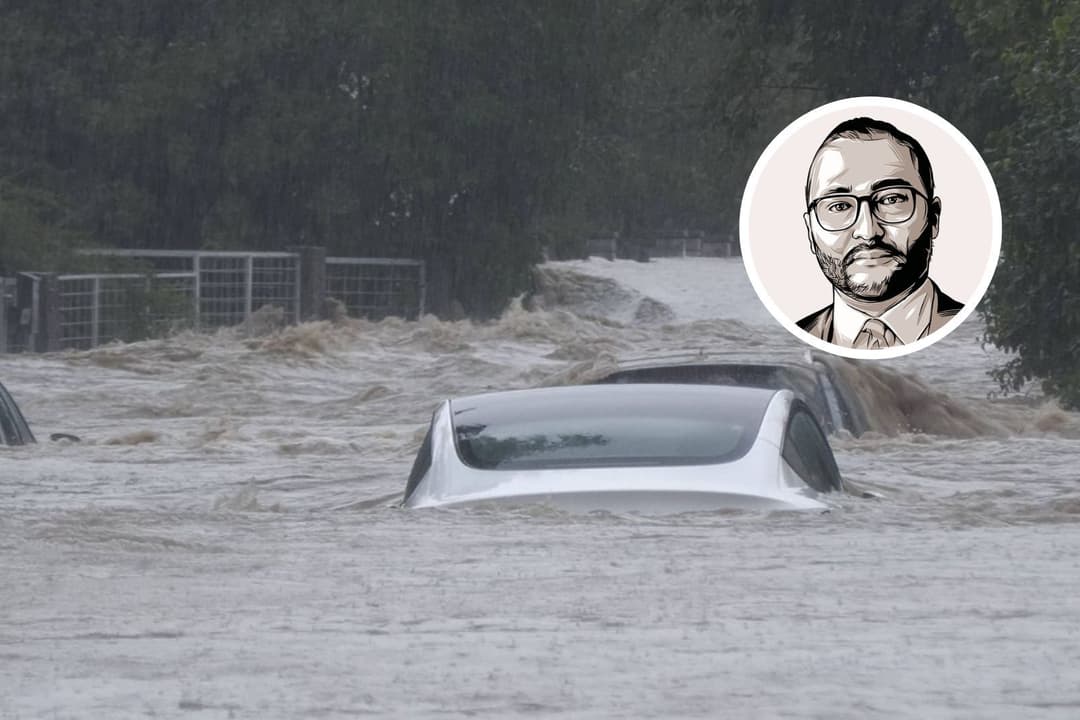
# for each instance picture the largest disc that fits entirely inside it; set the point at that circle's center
(228, 286)
(376, 288)
(203, 290)
(100, 308)
(231, 287)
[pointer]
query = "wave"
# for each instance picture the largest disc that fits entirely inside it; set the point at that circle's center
(574, 328)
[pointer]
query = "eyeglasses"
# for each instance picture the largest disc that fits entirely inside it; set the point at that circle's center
(889, 205)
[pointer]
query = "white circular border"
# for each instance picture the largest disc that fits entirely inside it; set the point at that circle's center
(862, 103)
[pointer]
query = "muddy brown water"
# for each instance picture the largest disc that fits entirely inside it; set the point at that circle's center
(223, 541)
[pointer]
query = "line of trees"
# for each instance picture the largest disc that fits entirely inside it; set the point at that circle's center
(479, 135)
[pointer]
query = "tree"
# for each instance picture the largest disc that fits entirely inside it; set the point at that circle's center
(394, 128)
(1033, 305)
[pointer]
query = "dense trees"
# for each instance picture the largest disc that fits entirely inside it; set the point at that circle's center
(403, 128)
(1033, 306)
(479, 134)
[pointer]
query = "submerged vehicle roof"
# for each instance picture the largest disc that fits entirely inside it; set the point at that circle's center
(836, 406)
(642, 447)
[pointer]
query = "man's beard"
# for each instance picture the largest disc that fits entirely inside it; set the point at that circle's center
(910, 269)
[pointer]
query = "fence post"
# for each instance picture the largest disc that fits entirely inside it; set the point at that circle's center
(48, 335)
(196, 269)
(95, 313)
(249, 281)
(311, 278)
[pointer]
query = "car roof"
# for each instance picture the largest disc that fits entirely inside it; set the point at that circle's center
(704, 358)
(770, 375)
(660, 397)
(827, 394)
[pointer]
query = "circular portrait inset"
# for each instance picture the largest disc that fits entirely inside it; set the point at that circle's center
(870, 228)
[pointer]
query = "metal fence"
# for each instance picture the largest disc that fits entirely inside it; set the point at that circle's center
(101, 308)
(176, 289)
(226, 287)
(377, 287)
(231, 287)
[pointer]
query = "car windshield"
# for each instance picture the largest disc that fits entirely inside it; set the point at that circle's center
(608, 426)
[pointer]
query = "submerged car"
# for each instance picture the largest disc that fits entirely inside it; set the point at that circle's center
(13, 427)
(624, 448)
(819, 381)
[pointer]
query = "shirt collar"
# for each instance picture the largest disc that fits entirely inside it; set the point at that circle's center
(909, 318)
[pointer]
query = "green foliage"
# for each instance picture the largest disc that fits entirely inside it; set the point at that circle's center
(700, 88)
(33, 228)
(1033, 305)
(448, 130)
(476, 135)
(400, 128)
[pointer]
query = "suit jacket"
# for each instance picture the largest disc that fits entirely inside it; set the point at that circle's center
(944, 309)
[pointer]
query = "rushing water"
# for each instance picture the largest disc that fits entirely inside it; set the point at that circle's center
(223, 543)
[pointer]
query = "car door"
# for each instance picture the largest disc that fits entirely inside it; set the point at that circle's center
(808, 453)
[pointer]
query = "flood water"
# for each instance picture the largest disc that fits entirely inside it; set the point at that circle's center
(223, 543)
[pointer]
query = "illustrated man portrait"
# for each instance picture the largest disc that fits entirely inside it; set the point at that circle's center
(872, 217)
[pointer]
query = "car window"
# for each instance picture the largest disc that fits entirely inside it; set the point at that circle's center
(593, 442)
(808, 453)
(666, 426)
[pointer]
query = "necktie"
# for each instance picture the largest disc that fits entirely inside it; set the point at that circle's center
(875, 335)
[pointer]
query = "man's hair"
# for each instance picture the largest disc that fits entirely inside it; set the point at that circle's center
(864, 128)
